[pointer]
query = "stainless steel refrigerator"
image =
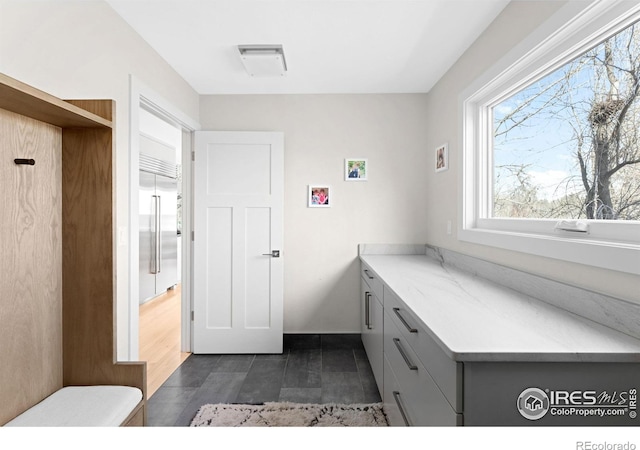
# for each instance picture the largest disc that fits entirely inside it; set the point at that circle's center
(158, 227)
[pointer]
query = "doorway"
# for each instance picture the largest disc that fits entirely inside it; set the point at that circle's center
(159, 244)
(153, 118)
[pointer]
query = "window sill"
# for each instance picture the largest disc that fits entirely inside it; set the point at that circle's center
(621, 257)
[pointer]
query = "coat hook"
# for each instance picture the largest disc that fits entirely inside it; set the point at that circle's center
(29, 162)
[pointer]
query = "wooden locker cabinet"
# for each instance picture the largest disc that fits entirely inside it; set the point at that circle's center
(57, 311)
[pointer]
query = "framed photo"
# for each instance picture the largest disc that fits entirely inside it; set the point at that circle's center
(442, 157)
(319, 196)
(355, 169)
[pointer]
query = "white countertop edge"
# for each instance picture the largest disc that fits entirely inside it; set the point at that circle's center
(546, 357)
(568, 338)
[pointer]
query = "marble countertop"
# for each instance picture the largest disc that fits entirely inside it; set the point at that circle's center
(474, 319)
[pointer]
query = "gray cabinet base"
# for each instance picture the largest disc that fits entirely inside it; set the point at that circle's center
(551, 394)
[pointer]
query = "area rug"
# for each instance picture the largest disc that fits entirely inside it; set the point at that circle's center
(284, 414)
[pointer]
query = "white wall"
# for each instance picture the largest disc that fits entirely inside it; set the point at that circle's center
(443, 191)
(321, 292)
(83, 49)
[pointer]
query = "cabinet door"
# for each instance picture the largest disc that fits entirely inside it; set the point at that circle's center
(371, 330)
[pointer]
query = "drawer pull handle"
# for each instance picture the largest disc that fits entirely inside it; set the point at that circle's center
(396, 397)
(404, 322)
(410, 365)
(367, 310)
(368, 274)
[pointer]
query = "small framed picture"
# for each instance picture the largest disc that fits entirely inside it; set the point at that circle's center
(355, 169)
(442, 157)
(319, 196)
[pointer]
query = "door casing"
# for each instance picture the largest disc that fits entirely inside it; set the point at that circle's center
(128, 319)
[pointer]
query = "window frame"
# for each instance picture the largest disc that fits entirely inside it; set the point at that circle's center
(571, 31)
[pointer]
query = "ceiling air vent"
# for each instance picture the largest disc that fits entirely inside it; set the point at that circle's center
(263, 60)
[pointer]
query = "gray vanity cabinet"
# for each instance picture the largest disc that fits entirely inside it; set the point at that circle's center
(371, 313)
(419, 384)
(490, 371)
(416, 396)
(428, 388)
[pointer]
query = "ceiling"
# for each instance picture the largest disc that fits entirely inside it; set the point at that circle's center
(330, 46)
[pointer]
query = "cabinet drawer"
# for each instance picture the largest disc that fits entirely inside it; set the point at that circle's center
(420, 397)
(372, 279)
(393, 398)
(446, 372)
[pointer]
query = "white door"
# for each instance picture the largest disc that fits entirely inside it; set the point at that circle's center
(238, 233)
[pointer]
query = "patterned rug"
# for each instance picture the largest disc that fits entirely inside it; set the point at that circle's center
(291, 415)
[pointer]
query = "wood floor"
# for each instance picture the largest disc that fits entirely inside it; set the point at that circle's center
(160, 338)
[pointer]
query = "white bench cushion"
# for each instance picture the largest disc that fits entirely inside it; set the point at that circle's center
(82, 406)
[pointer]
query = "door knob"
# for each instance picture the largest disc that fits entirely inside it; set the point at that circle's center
(273, 254)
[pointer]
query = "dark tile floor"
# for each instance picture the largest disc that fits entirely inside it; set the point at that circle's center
(313, 368)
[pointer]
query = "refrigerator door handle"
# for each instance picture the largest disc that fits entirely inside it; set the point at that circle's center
(154, 243)
(159, 232)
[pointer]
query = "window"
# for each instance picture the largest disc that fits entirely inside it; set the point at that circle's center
(551, 143)
(568, 145)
